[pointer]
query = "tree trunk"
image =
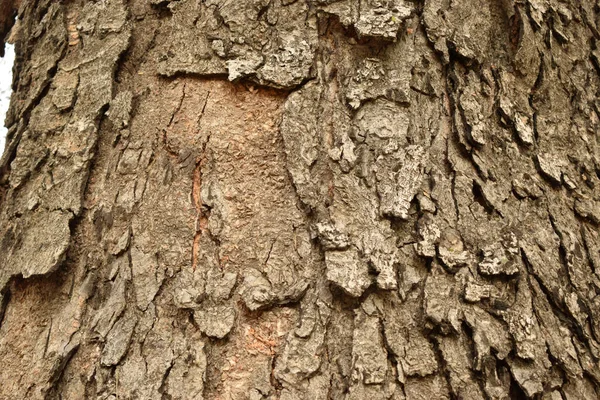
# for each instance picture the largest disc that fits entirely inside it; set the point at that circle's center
(302, 199)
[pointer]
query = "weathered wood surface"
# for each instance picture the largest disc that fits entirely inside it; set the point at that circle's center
(302, 199)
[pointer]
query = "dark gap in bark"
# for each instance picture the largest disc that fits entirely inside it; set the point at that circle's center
(595, 61)
(99, 122)
(55, 379)
(536, 135)
(477, 376)
(246, 82)
(342, 353)
(162, 9)
(453, 190)
(216, 12)
(479, 197)
(584, 18)
(163, 382)
(557, 365)
(597, 168)
(534, 26)
(515, 391)
(91, 387)
(589, 252)
(4, 300)
(263, 11)
(557, 309)
(548, 179)
(275, 384)
(484, 175)
(215, 349)
(557, 34)
(563, 254)
(442, 364)
(516, 24)
(328, 23)
(193, 75)
(588, 176)
(593, 379)
(453, 81)
(11, 151)
(25, 115)
(455, 57)
(391, 357)
(536, 86)
(399, 225)
(128, 55)
(506, 121)
(468, 129)
(562, 251)
(348, 302)
(450, 89)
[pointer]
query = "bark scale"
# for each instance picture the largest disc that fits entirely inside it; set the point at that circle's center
(302, 199)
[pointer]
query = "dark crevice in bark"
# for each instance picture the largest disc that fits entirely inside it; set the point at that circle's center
(275, 384)
(477, 375)
(163, 383)
(12, 142)
(589, 251)
(442, 365)
(560, 368)
(556, 307)
(449, 89)
(247, 82)
(454, 197)
(591, 378)
(480, 198)
(391, 356)
(58, 371)
(162, 9)
(586, 19)
(4, 300)
(562, 250)
(515, 391)
(20, 63)
(191, 75)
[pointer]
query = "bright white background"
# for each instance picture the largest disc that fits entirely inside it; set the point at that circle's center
(6, 64)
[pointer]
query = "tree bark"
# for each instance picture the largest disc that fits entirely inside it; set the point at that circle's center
(302, 199)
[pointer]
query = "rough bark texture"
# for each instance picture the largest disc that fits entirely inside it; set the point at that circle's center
(302, 199)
